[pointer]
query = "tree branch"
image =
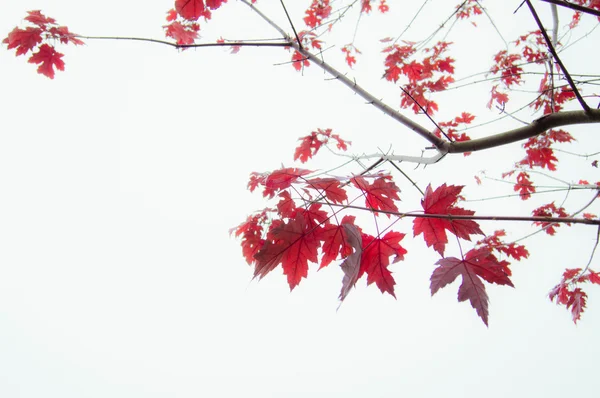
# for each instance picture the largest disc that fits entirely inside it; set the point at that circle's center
(574, 6)
(557, 220)
(556, 57)
(536, 127)
(183, 46)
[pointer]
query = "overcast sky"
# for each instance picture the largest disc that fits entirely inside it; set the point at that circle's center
(121, 178)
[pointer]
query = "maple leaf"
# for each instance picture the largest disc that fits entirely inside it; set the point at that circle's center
(311, 144)
(298, 61)
(442, 201)
(293, 244)
(23, 40)
(251, 232)
(286, 206)
(379, 195)
(48, 58)
(62, 33)
(336, 241)
(375, 259)
(214, 4)
(183, 34)
(282, 179)
(37, 18)
(351, 264)
(493, 242)
(549, 210)
(476, 265)
(330, 187)
(524, 186)
(190, 9)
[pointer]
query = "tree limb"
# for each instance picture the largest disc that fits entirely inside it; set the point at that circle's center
(574, 6)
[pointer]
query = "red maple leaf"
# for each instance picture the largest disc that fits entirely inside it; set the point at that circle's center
(251, 233)
(298, 61)
(375, 259)
(493, 242)
(351, 264)
(183, 34)
(330, 187)
(379, 195)
(291, 244)
(282, 179)
(23, 40)
(524, 186)
(62, 33)
(476, 265)
(442, 201)
(336, 241)
(311, 144)
(190, 9)
(37, 18)
(48, 58)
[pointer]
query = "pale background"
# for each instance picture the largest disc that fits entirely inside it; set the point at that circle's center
(121, 178)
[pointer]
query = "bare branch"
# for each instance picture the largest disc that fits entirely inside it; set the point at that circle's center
(574, 6)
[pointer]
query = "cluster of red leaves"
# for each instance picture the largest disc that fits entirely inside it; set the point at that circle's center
(549, 210)
(539, 152)
(311, 144)
(468, 9)
(367, 8)
(36, 37)
(318, 11)
(296, 234)
(431, 74)
(569, 294)
(183, 31)
(299, 231)
(592, 4)
(450, 128)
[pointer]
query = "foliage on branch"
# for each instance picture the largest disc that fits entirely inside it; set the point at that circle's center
(308, 221)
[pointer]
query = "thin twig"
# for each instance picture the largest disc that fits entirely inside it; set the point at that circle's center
(291, 24)
(553, 220)
(181, 46)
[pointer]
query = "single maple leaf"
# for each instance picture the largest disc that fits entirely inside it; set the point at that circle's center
(293, 244)
(62, 33)
(477, 264)
(298, 61)
(336, 241)
(48, 58)
(190, 9)
(375, 259)
(351, 264)
(380, 194)
(442, 201)
(277, 180)
(37, 18)
(214, 4)
(331, 188)
(23, 40)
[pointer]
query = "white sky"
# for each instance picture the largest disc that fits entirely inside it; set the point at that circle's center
(121, 178)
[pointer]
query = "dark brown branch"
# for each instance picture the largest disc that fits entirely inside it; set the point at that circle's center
(584, 105)
(536, 127)
(563, 220)
(574, 6)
